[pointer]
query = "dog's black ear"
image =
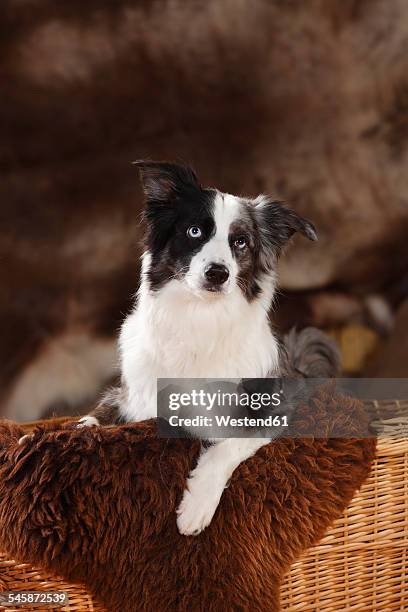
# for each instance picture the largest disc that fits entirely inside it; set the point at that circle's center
(164, 181)
(296, 223)
(278, 222)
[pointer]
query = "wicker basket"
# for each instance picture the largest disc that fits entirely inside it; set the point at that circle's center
(361, 564)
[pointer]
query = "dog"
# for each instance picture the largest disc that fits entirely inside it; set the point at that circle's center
(208, 280)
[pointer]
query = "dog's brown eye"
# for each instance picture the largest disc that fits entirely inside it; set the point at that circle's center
(240, 243)
(194, 232)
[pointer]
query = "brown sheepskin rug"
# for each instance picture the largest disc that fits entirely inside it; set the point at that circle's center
(97, 506)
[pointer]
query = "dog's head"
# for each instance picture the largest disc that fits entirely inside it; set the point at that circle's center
(210, 242)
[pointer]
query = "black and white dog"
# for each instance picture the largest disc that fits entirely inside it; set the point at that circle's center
(208, 280)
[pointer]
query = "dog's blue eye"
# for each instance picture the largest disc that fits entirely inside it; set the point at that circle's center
(240, 243)
(194, 232)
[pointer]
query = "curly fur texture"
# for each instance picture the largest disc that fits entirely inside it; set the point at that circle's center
(97, 506)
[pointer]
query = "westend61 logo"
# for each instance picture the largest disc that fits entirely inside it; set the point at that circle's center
(287, 407)
(203, 399)
(226, 409)
(209, 408)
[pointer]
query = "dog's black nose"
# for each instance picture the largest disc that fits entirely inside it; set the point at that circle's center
(216, 274)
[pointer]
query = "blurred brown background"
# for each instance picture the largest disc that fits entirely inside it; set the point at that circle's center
(307, 101)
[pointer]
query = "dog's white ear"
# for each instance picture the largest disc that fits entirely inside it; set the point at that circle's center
(282, 222)
(163, 181)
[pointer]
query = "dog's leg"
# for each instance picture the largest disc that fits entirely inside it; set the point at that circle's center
(208, 480)
(107, 412)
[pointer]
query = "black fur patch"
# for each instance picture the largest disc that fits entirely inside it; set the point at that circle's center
(249, 259)
(277, 223)
(175, 201)
(267, 226)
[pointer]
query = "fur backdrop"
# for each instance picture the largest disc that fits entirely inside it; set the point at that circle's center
(305, 101)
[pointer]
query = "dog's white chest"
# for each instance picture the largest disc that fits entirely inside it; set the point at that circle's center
(158, 340)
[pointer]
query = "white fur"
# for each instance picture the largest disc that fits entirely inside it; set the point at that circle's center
(183, 331)
(174, 334)
(217, 250)
(208, 480)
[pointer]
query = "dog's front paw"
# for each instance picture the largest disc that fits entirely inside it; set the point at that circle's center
(25, 438)
(196, 509)
(88, 421)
